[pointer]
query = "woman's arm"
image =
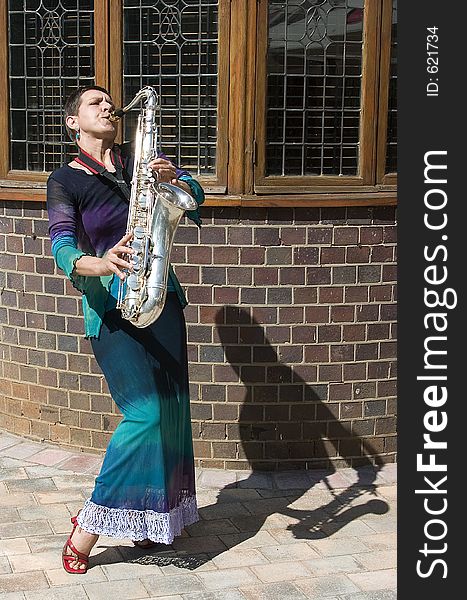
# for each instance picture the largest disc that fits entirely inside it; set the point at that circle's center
(109, 263)
(74, 262)
(184, 186)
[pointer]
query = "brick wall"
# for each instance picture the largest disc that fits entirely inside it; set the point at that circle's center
(291, 337)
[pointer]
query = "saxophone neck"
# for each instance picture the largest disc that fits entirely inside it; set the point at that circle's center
(151, 102)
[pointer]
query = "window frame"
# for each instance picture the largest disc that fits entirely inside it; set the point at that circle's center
(383, 178)
(101, 66)
(216, 184)
(242, 85)
(366, 179)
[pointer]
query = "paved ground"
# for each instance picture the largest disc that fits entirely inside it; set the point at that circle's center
(282, 536)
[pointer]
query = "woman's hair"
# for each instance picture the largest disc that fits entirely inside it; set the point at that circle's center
(73, 102)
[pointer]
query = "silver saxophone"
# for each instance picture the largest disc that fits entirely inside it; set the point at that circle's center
(154, 213)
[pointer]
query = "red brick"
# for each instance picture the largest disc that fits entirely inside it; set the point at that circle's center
(320, 235)
(382, 254)
(351, 410)
(188, 274)
(378, 370)
(212, 235)
(317, 314)
(265, 276)
(266, 236)
(324, 448)
(346, 235)
(305, 295)
(341, 353)
(305, 334)
(293, 236)
(350, 447)
(356, 294)
(330, 373)
(291, 354)
(306, 256)
(293, 314)
(270, 322)
(358, 254)
(224, 295)
(354, 371)
(252, 256)
(200, 294)
(353, 333)
(238, 236)
(225, 256)
(332, 256)
(225, 373)
(329, 333)
(389, 273)
(317, 353)
(239, 275)
(331, 295)
(304, 372)
(390, 234)
(371, 235)
(340, 314)
(199, 255)
(264, 315)
(292, 275)
(318, 275)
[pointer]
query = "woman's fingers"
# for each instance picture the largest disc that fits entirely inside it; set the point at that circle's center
(165, 169)
(160, 162)
(125, 239)
(123, 250)
(120, 262)
(117, 272)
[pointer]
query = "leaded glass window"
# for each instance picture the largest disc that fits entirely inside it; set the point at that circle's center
(314, 73)
(391, 142)
(51, 52)
(172, 45)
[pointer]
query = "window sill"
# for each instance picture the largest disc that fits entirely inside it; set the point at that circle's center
(27, 191)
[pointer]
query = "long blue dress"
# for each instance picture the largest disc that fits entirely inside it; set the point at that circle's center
(146, 486)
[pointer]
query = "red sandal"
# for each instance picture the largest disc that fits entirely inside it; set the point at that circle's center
(76, 556)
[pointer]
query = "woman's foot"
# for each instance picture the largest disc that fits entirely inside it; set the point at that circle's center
(82, 542)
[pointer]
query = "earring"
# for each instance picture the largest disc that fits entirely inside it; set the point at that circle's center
(77, 135)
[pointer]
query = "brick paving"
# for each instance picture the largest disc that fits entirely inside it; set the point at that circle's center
(262, 536)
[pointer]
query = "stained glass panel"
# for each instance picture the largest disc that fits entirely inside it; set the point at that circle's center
(51, 52)
(314, 76)
(391, 140)
(173, 46)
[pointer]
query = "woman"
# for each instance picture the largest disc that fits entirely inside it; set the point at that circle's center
(145, 490)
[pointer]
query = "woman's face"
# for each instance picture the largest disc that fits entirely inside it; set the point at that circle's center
(93, 115)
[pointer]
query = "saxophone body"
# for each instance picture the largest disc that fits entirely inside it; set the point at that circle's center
(154, 213)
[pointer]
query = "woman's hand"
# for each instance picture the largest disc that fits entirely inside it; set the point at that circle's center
(112, 259)
(110, 263)
(164, 170)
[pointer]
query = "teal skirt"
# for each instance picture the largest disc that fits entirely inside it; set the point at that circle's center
(146, 486)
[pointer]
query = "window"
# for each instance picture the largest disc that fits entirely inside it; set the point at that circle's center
(51, 51)
(174, 47)
(259, 99)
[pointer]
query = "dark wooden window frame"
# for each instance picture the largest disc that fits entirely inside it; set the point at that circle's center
(241, 83)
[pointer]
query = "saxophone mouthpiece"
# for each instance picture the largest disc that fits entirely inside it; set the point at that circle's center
(117, 114)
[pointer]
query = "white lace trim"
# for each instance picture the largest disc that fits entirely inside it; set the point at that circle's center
(138, 524)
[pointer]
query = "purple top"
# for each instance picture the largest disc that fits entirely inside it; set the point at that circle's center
(83, 206)
(87, 216)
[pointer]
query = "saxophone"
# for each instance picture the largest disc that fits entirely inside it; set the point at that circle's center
(154, 213)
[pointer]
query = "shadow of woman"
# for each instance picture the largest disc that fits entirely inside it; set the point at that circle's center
(269, 437)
